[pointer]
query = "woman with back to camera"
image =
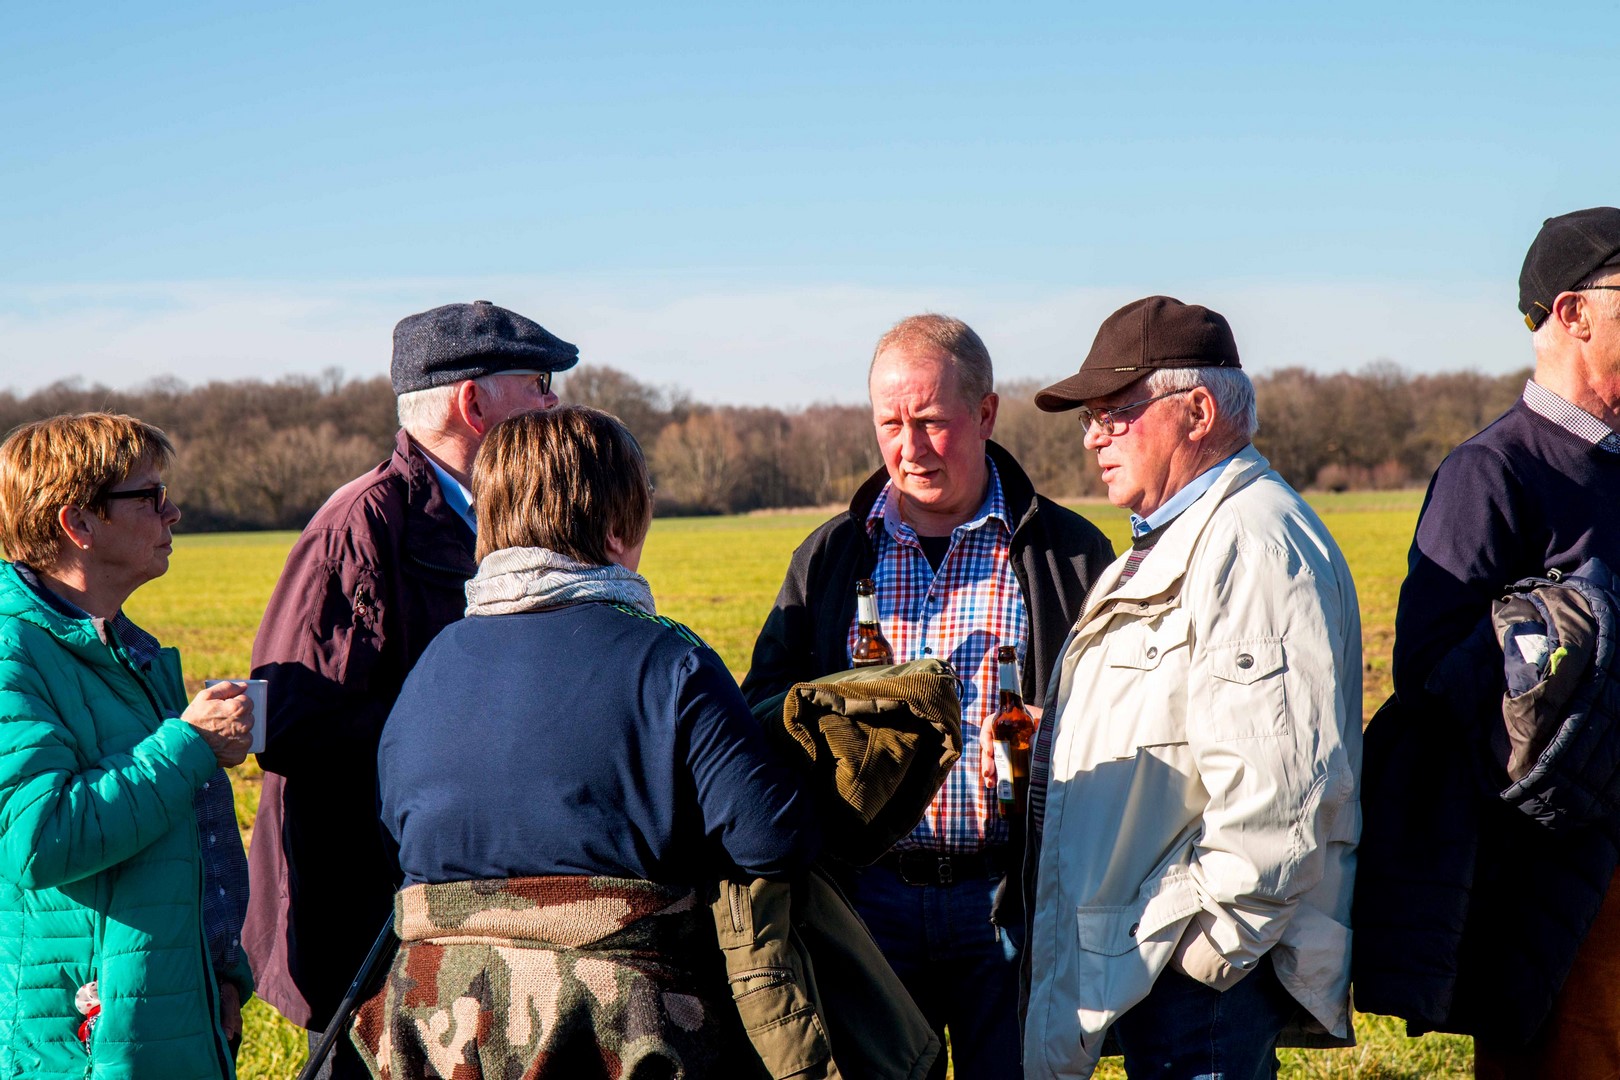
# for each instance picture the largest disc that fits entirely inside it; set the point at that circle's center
(564, 773)
(122, 879)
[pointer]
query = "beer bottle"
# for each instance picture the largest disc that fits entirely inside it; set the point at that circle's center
(1013, 730)
(871, 647)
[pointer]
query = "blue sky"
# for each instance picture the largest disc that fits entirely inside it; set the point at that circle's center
(738, 199)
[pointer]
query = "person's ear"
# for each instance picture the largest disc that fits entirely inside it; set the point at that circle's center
(987, 415)
(1201, 411)
(469, 405)
(77, 524)
(1569, 311)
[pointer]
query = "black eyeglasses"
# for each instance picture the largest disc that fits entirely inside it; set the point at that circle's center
(158, 494)
(543, 381)
(1113, 421)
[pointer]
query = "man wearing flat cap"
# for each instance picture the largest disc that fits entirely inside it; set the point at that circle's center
(1475, 917)
(1192, 794)
(374, 576)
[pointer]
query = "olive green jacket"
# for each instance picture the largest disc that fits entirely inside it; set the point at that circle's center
(816, 996)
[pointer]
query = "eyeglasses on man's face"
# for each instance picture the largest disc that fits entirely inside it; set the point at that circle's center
(157, 495)
(1114, 421)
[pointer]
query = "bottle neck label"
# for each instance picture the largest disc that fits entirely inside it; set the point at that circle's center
(1009, 679)
(866, 610)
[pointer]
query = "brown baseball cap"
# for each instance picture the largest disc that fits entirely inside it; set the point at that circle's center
(1139, 338)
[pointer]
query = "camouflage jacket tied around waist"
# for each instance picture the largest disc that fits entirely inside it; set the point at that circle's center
(549, 977)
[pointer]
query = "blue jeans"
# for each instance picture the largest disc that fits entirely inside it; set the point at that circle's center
(960, 970)
(1183, 1030)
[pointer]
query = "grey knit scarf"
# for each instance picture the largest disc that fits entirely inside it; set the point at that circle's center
(514, 580)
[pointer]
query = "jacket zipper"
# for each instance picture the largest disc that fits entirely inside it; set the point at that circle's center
(221, 1050)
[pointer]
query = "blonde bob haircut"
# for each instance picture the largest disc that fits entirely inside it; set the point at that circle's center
(68, 460)
(564, 479)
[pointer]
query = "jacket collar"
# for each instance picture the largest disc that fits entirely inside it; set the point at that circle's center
(77, 635)
(1017, 492)
(435, 535)
(1161, 572)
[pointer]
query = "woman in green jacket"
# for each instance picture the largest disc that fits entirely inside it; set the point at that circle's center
(120, 899)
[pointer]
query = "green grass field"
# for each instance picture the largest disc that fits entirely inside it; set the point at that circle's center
(720, 575)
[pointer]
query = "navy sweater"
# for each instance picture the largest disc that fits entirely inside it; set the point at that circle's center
(1520, 498)
(582, 740)
(1468, 914)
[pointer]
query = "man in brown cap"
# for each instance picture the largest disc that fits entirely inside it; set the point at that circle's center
(1471, 916)
(1192, 804)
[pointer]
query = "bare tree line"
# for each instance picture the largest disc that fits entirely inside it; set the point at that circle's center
(265, 455)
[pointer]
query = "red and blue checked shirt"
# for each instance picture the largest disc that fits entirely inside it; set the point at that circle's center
(960, 614)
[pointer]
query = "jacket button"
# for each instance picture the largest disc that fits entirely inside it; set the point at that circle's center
(1134, 928)
(1153, 650)
(1245, 661)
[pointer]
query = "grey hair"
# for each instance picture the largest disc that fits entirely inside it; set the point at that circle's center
(426, 410)
(1608, 302)
(429, 410)
(1230, 387)
(975, 377)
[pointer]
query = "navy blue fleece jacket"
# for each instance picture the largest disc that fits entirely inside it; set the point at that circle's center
(586, 739)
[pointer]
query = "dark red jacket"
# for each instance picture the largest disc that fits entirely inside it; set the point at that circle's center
(375, 575)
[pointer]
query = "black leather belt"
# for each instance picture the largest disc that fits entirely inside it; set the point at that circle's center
(939, 868)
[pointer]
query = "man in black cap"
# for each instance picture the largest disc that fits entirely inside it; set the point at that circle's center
(1192, 788)
(374, 576)
(1471, 917)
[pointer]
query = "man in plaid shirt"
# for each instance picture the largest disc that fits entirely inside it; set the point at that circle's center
(965, 557)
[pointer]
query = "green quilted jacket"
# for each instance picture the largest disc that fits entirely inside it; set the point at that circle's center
(100, 868)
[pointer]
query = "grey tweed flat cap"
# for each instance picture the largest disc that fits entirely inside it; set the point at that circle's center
(466, 341)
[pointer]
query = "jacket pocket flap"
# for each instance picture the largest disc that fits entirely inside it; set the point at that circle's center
(1143, 645)
(1244, 662)
(1114, 931)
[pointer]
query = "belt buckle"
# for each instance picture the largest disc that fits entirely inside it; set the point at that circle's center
(946, 872)
(910, 866)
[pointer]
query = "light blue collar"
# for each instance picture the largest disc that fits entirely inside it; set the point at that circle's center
(1179, 501)
(459, 498)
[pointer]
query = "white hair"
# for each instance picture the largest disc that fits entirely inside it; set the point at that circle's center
(428, 410)
(1230, 387)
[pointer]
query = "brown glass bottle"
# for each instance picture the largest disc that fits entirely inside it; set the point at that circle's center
(1013, 730)
(871, 647)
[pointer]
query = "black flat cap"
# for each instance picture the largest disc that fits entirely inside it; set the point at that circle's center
(1141, 337)
(467, 341)
(1566, 250)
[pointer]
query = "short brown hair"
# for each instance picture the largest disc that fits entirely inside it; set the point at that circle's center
(563, 479)
(67, 460)
(975, 379)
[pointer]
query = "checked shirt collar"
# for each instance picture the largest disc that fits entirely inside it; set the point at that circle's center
(1571, 418)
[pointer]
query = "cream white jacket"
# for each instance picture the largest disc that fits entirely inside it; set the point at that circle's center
(1205, 760)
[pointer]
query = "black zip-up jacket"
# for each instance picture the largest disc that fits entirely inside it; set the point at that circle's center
(1056, 555)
